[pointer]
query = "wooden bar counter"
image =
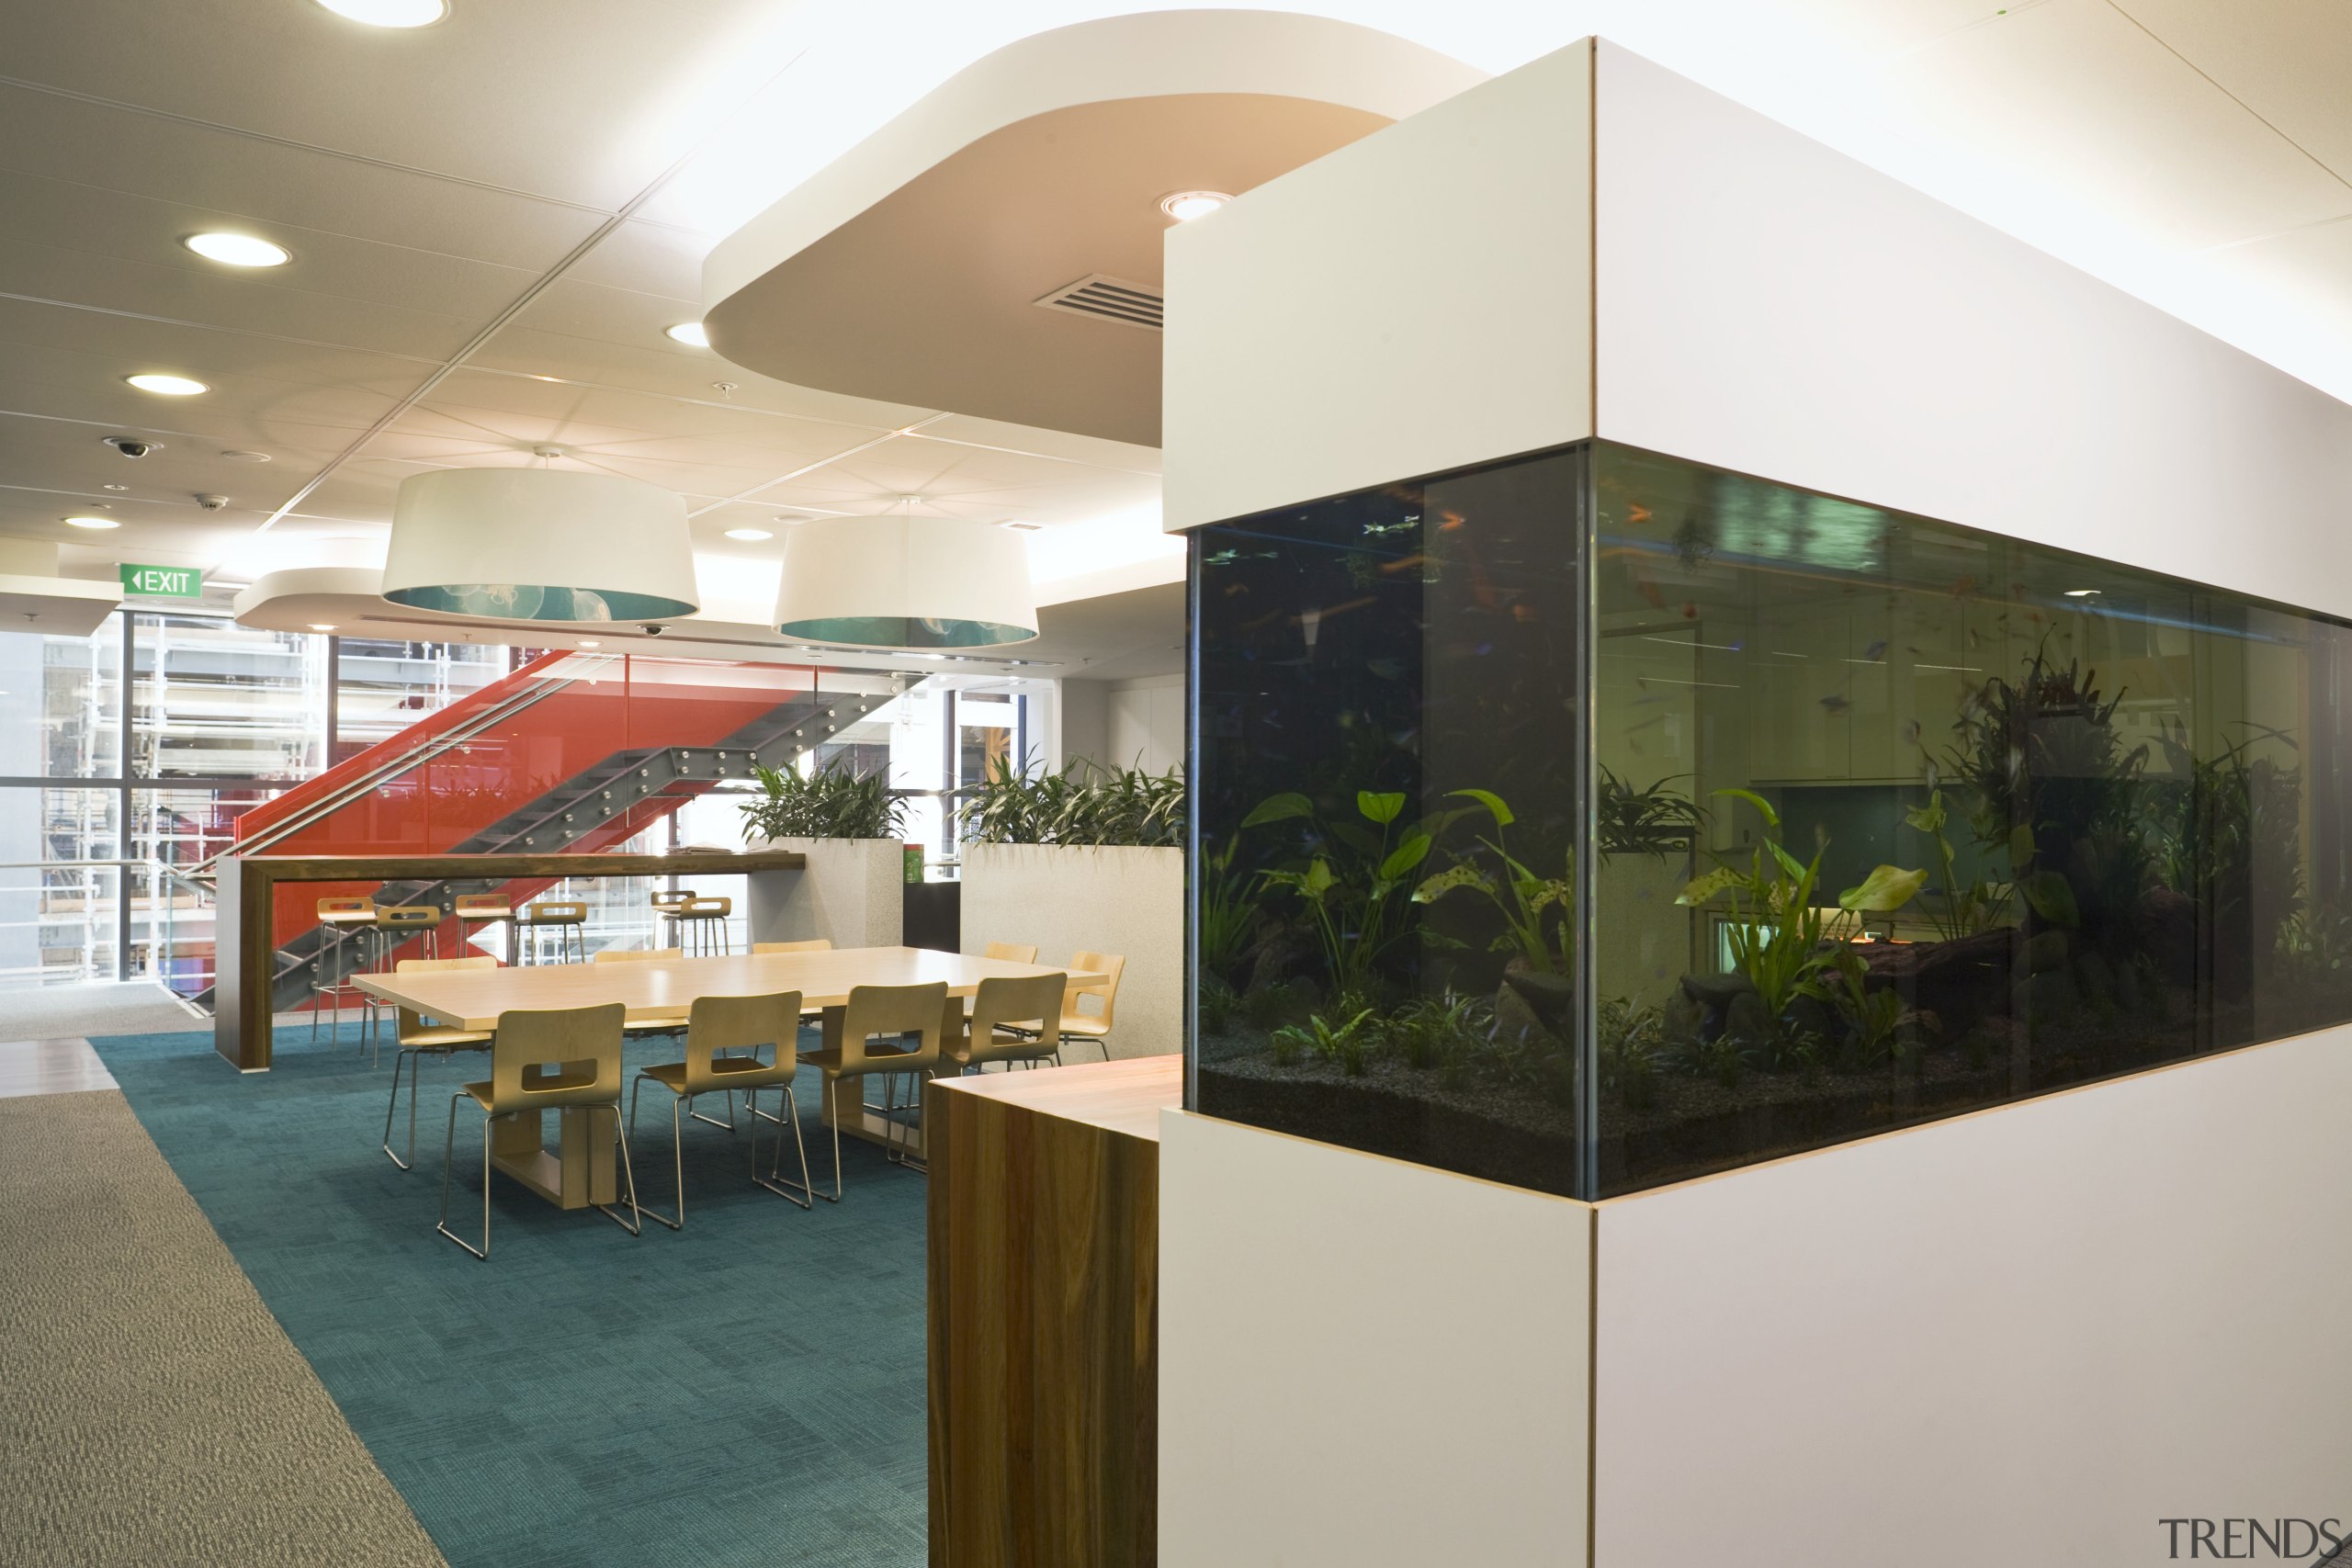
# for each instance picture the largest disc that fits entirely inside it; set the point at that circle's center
(245, 955)
(1045, 1311)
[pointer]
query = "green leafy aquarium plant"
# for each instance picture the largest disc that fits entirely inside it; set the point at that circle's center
(1538, 911)
(1656, 821)
(831, 803)
(1876, 1018)
(1354, 879)
(1349, 1044)
(1775, 932)
(1969, 910)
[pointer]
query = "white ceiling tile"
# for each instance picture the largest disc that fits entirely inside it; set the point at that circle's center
(266, 181)
(586, 100)
(2290, 60)
(2071, 94)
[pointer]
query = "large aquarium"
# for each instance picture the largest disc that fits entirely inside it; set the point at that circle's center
(1596, 819)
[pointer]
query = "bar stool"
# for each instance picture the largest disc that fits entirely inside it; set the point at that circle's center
(396, 925)
(477, 909)
(585, 1045)
(894, 1010)
(567, 919)
(716, 1026)
(699, 925)
(344, 917)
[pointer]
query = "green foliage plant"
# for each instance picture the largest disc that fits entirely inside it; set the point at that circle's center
(1349, 1044)
(831, 803)
(1538, 912)
(1966, 911)
(1631, 1039)
(1429, 1032)
(1775, 933)
(1227, 911)
(1877, 1018)
(1656, 821)
(1082, 805)
(1355, 879)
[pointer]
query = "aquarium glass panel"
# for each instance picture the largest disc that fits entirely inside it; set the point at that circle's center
(1977, 819)
(1386, 761)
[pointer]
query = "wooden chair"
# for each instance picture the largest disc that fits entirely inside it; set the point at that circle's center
(669, 1024)
(721, 1024)
(1094, 1026)
(814, 945)
(413, 1038)
(567, 917)
(990, 1035)
(1013, 952)
(584, 1046)
(888, 1010)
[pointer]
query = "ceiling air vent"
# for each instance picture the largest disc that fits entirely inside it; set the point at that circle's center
(1109, 300)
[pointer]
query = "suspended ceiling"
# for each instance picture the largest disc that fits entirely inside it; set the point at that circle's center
(494, 219)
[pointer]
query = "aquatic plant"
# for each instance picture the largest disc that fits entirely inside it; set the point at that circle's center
(1348, 1044)
(1428, 1031)
(1354, 873)
(2057, 787)
(1629, 1040)
(1775, 935)
(831, 803)
(2231, 839)
(1226, 914)
(1655, 820)
(1538, 912)
(1876, 1019)
(1966, 911)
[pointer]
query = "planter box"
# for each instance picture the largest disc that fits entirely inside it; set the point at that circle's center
(1118, 900)
(851, 893)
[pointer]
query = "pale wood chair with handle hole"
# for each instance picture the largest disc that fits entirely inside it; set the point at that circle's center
(1077, 1023)
(894, 1011)
(1013, 952)
(583, 1045)
(568, 917)
(718, 1025)
(413, 1039)
(396, 926)
(990, 1035)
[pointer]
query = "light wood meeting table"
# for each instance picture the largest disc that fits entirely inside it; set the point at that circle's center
(580, 1170)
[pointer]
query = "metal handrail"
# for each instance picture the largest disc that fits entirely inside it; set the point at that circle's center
(424, 750)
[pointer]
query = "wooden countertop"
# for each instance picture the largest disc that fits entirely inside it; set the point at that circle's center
(1120, 1096)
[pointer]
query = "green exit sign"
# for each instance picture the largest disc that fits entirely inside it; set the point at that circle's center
(162, 582)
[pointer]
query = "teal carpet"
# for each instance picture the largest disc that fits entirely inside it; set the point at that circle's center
(749, 1390)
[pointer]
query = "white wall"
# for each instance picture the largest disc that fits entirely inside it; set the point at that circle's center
(1365, 1362)
(1126, 901)
(852, 894)
(1124, 724)
(2022, 1336)
(1417, 300)
(1769, 306)
(1081, 730)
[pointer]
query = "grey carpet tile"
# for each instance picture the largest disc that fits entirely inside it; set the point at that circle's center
(98, 1008)
(155, 1413)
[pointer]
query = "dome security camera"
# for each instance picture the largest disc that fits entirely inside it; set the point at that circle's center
(652, 628)
(131, 446)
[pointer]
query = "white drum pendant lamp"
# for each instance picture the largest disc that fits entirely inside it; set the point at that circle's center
(539, 545)
(911, 582)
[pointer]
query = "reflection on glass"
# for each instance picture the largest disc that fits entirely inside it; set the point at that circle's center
(60, 703)
(1888, 820)
(1387, 816)
(212, 699)
(1978, 820)
(58, 911)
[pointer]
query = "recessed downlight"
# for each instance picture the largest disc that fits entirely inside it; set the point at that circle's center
(2082, 592)
(691, 333)
(1186, 205)
(322, 625)
(749, 535)
(238, 250)
(87, 522)
(234, 454)
(166, 386)
(1019, 528)
(390, 13)
(589, 642)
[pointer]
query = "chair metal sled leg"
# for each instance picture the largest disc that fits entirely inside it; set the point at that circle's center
(448, 1157)
(805, 1194)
